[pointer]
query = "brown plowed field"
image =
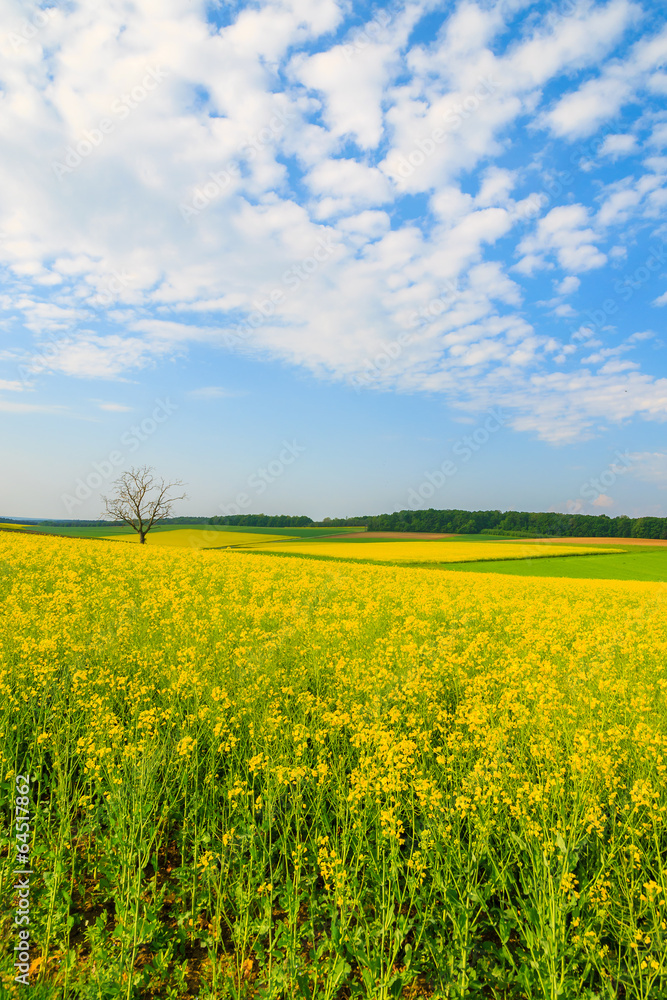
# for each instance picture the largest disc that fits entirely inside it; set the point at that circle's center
(602, 541)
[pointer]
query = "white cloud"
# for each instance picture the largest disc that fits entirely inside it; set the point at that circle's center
(658, 136)
(634, 197)
(349, 185)
(113, 407)
(95, 357)
(602, 500)
(568, 285)
(618, 145)
(496, 186)
(650, 467)
(579, 113)
(530, 263)
(564, 232)
(574, 42)
(18, 409)
(641, 335)
(614, 366)
(562, 407)
(619, 205)
(369, 224)
(352, 77)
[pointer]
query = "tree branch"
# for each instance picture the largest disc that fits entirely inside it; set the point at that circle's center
(132, 501)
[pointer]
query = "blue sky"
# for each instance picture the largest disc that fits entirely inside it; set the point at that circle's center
(334, 258)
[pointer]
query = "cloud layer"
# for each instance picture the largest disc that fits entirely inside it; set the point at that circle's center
(379, 203)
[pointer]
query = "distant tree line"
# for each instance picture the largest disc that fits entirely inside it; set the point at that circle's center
(343, 522)
(512, 523)
(469, 522)
(71, 524)
(264, 520)
(186, 520)
(288, 521)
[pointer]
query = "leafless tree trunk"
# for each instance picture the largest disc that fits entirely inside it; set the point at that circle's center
(141, 500)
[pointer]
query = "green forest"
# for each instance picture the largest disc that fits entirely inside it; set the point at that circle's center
(562, 525)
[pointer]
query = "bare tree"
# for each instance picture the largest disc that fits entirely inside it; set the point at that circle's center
(141, 500)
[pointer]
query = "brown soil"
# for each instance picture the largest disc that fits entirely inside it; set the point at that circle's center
(414, 536)
(426, 536)
(561, 540)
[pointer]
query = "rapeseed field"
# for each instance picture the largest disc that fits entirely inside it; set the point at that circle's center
(264, 777)
(431, 551)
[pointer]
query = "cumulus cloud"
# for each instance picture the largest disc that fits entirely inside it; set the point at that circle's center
(602, 500)
(352, 77)
(618, 145)
(565, 233)
(568, 285)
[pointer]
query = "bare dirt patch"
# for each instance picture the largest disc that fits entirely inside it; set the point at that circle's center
(600, 541)
(426, 536)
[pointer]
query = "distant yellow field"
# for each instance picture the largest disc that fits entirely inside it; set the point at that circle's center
(9, 524)
(436, 551)
(197, 538)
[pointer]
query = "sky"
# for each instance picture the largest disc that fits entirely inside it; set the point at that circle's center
(334, 258)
